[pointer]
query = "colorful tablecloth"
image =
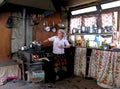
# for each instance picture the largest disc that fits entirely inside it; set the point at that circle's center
(80, 62)
(104, 66)
(9, 71)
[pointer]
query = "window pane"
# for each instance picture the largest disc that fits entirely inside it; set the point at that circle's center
(107, 19)
(75, 22)
(84, 10)
(90, 21)
(110, 5)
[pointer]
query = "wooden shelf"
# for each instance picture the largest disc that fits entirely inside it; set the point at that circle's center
(90, 34)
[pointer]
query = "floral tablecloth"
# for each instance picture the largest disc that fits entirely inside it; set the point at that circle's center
(80, 61)
(104, 66)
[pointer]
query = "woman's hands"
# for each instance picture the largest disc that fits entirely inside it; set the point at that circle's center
(62, 46)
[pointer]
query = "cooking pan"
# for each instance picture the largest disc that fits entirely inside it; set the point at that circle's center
(53, 27)
(47, 27)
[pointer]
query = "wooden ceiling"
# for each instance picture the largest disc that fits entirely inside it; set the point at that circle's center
(39, 4)
(48, 4)
(73, 3)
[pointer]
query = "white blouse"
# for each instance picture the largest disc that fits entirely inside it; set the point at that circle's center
(57, 42)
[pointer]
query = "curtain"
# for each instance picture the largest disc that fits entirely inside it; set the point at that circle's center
(80, 61)
(104, 66)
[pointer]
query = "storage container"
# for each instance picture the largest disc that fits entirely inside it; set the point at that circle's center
(38, 76)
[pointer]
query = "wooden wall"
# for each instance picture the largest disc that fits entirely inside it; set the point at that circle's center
(40, 34)
(5, 34)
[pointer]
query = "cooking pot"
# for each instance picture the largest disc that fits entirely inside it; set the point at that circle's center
(23, 48)
(54, 29)
(47, 28)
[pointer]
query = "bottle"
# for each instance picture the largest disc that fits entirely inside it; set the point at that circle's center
(88, 43)
(99, 30)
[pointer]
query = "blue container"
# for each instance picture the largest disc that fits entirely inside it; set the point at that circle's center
(38, 76)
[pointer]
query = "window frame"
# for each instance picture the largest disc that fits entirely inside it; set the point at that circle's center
(99, 12)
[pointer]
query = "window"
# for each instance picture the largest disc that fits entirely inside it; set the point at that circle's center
(90, 21)
(110, 5)
(85, 21)
(105, 20)
(109, 19)
(109, 22)
(84, 10)
(75, 22)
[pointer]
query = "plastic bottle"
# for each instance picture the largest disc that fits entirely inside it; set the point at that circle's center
(88, 43)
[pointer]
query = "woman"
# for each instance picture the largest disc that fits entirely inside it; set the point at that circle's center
(59, 45)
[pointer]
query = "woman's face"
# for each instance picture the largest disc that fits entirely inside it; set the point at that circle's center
(60, 34)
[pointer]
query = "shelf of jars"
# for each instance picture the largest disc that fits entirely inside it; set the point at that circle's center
(86, 44)
(94, 38)
(95, 45)
(79, 40)
(105, 48)
(89, 34)
(92, 30)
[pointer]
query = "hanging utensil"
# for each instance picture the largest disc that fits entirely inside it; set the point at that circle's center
(53, 28)
(47, 28)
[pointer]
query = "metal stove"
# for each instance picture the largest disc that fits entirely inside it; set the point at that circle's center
(33, 57)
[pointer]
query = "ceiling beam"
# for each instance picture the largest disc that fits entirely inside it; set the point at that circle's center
(73, 3)
(40, 4)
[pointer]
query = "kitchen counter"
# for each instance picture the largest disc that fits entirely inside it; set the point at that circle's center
(114, 49)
